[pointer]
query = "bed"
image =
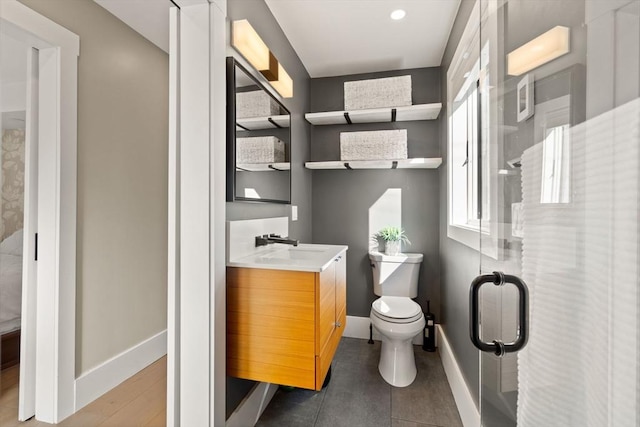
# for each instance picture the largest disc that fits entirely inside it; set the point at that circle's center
(10, 299)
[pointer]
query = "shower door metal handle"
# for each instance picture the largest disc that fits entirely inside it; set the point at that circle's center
(498, 347)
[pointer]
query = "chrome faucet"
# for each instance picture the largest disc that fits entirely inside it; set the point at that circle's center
(274, 238)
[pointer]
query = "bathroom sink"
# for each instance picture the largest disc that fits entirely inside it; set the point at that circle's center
(304, 257)
(297, 253)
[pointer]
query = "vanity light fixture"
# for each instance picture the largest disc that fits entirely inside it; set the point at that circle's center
(248, 43)
(284, 83)
(398, 14)
(544, 48)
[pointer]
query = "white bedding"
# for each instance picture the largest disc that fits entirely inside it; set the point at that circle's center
(10, 283)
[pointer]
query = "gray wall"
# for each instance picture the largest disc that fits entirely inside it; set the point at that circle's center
(459, 264)
(260, 17)
(341, 198)
(122, 182)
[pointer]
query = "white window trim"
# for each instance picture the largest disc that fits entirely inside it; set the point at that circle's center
(467, 235)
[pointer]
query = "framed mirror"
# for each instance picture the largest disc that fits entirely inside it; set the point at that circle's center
(258, 141)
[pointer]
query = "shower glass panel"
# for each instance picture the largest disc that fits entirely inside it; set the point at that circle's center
(559, 86)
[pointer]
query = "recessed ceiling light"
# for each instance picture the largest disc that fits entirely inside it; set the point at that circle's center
(398, 14)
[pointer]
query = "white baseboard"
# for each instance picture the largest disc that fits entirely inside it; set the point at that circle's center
(99, 380)
(252, 406)
(461, 394)
(358, 327)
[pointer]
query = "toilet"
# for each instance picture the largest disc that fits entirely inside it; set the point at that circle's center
(395, 315)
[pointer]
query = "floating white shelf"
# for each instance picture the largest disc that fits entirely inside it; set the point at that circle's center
(417, 163)
(263, 167)
(376, 115)
(256, 123)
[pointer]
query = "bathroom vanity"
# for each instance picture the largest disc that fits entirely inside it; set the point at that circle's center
(286, 312)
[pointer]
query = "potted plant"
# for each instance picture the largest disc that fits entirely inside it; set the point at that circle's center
(392, 238)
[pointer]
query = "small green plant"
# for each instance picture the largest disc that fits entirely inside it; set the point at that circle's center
(391, 234)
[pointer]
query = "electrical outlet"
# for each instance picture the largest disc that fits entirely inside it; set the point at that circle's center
(294, 213)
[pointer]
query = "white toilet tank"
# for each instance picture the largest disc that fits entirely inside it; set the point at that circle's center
(395, 276)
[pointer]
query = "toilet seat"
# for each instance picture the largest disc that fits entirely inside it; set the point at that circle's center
(396, 309)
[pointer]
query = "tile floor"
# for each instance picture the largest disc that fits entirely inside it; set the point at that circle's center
(358, 396)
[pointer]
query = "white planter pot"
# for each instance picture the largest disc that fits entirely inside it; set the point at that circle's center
(392, 248)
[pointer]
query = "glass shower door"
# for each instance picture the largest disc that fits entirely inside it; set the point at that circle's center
(559, 114)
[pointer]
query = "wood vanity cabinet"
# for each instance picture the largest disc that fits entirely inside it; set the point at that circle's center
(283, 326)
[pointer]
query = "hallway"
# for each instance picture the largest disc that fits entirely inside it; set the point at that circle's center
(139, 401)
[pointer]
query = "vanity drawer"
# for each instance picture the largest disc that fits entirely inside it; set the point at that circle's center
(326, 356)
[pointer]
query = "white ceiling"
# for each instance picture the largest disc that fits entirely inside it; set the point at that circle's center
(148, 17)
(331, 37)
(341, 37)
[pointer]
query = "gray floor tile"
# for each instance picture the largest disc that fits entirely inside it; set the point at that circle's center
(428, 400)
(292, 407)
(403, 423)
(358, 396)
(353, 352)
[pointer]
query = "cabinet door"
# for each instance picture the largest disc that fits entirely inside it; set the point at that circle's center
(339, 320)
(325, 306)
(341, 290)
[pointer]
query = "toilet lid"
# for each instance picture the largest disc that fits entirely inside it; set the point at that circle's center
(396, 309)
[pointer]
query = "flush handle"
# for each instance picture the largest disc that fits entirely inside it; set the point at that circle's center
(498, 347)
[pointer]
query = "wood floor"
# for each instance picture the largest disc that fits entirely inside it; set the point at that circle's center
(139, 401)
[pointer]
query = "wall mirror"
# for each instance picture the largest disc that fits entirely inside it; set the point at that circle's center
(258, 141)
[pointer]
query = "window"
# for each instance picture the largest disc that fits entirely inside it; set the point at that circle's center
(467, 163)
(463, 167)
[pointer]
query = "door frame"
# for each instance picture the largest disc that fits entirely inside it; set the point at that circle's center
(54, 302)
(196, 329)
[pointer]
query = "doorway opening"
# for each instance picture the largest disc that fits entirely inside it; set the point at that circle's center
(45, 91)
(18, 219)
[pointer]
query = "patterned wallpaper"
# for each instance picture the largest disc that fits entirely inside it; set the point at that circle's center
(12, 207)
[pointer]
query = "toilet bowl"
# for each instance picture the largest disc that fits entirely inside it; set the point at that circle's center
(398, 320)
(395, 315)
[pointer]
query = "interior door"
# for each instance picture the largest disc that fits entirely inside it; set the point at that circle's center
(555, 310)
(27, 387)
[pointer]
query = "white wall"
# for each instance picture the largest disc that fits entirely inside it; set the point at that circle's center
(122, 182)
(13, 71)
(14, 96)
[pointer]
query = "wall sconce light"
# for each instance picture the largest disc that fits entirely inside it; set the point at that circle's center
(544, 48)
(249, 44)
(284, 83)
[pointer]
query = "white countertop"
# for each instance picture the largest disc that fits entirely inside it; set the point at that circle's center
(304, 257)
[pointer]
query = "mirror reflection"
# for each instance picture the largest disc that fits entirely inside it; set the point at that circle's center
(258, 139)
